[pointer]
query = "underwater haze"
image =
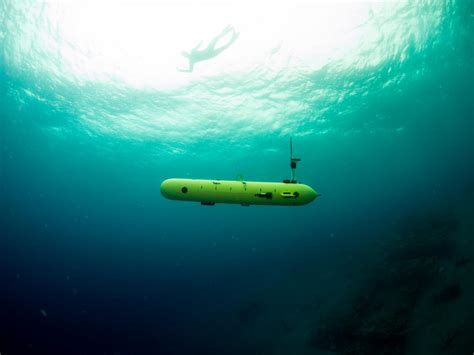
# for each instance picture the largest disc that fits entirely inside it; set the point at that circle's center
(102, 101)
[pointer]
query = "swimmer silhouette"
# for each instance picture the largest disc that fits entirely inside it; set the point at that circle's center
(210, 51)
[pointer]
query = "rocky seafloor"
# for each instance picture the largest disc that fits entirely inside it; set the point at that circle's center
(408, 292)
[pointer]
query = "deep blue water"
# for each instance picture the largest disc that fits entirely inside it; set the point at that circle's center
(93, 260)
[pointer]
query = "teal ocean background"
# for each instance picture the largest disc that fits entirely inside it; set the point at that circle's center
(378, 99)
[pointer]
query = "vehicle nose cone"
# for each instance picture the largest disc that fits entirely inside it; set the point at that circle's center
(312, 194)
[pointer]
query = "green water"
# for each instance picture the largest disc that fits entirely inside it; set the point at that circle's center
(378, 98)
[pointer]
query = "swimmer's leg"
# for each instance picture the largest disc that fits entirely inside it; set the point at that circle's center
(214, 41)
(235, 35)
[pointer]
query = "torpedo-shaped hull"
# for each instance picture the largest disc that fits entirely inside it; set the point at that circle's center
(210, 192)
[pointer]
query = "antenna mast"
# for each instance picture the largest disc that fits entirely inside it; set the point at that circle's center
(293, 162)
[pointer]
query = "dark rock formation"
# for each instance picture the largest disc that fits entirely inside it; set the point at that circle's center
(380, 318)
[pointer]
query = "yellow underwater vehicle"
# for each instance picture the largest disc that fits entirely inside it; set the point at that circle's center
(246, 193)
